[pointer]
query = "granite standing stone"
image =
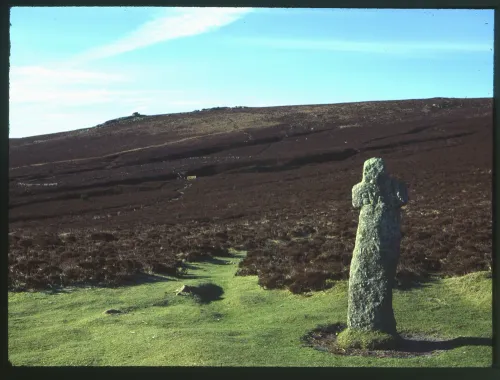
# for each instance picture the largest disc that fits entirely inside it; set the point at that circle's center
(377, 249)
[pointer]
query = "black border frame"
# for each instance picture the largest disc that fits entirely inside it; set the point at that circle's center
(244, 372)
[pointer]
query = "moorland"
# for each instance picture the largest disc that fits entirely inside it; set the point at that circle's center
(146, 195)
(252, 208)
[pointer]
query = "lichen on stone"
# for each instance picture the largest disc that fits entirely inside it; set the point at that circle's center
(377, 249)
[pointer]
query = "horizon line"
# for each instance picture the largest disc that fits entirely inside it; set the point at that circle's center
(254, 107)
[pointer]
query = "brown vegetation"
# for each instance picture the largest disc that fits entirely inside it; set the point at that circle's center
(275, 181)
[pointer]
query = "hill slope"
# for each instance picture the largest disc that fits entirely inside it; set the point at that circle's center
(276, 181)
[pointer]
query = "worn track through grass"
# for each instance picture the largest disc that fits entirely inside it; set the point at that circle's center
(245, 326)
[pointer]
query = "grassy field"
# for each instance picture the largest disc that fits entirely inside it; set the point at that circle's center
(249, 326)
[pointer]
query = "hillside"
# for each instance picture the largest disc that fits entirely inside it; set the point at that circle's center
(273, 181)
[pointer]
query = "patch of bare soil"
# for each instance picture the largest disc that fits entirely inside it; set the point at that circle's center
(323, 338)
(281, 190)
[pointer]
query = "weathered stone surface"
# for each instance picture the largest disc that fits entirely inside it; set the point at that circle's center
(377, 249)
(185, 289)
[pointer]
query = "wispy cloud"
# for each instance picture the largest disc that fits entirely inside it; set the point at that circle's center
(42, 74)
(67, 89)
(182, 22)
(42, 85)
(48, 100)
(368, 47)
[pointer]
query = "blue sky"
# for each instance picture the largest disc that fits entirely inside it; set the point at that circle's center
(73, 68)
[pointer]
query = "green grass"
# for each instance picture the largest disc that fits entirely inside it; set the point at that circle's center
(358, 339)
(250, 326)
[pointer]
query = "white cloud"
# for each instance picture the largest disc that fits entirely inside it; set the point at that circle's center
(367, 47)
(184, 22)
(22, 95)
(48, 100)
(69, 87)
(65, 96)
(34, 74)
(43, 118)
(42, 85)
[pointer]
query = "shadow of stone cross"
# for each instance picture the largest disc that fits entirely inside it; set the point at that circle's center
(425, 345)
(377, 249)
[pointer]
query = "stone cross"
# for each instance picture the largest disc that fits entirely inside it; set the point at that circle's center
(377, 249)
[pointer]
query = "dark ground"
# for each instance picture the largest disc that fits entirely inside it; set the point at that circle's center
(273, 181)
(324, 337)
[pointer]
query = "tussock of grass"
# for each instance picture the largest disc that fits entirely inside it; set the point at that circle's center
(475, 288)
(365, 340)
